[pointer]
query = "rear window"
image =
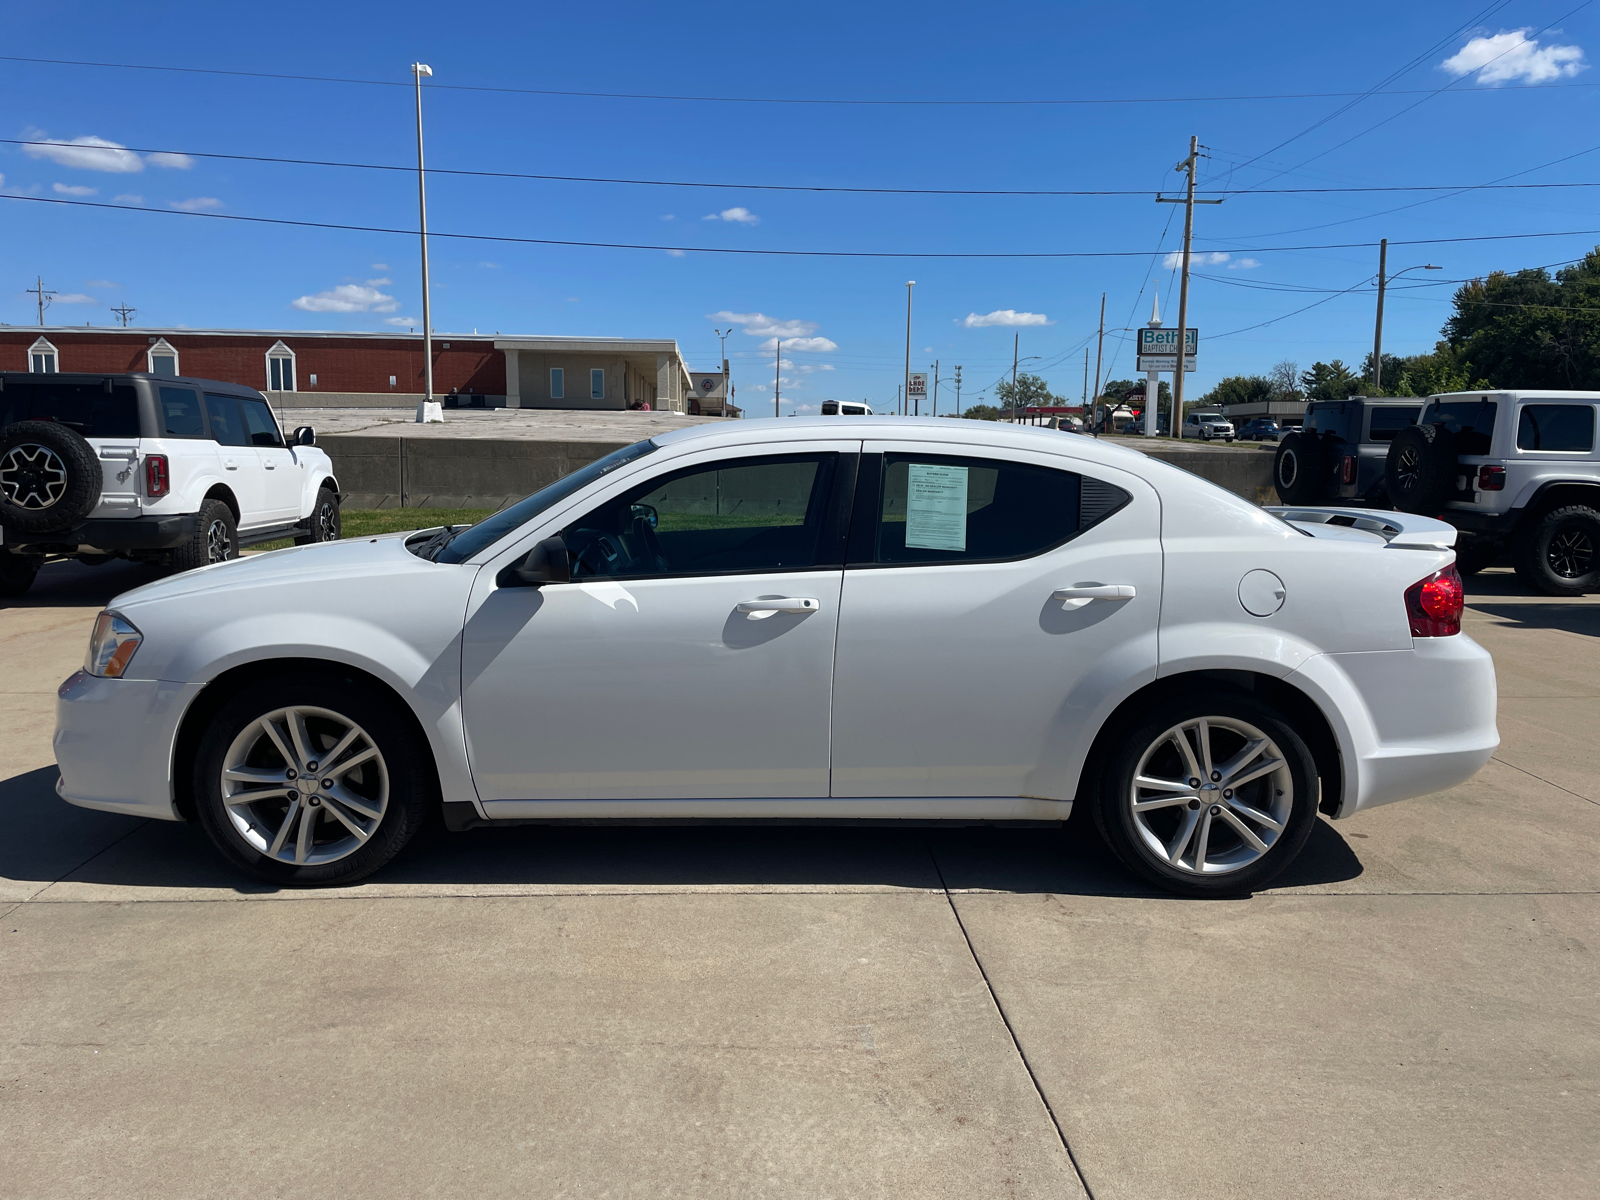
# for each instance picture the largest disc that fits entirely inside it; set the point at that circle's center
(1472, 421)
(1386, 422)
(227, 426)
(1333, 420)
(87, 408)
(180, 413)
(1556, 427)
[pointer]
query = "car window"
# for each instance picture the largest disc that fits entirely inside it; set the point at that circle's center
(944, 509)
(258, 423)
(1386, 422)
(180, 413)
(1472, 421)
(87, 408)
(1556, 427)
(744, 516)
(227, 426)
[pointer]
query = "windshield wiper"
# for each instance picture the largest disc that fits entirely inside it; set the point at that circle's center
(430, 549)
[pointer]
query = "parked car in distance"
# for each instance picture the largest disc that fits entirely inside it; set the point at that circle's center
(1111, 631)
(1208, 427)
(846, 408)
(176, 471)
(1517, 473)
(1260, 429)
(1338, 456)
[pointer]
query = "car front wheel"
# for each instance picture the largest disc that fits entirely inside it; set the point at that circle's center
(1211, 795)
(307, 781)
(324, 524)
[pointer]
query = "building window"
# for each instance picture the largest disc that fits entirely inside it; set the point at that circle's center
(313, 379)
(280, 368)
(391, 381)
(558, 384)
(42, 358)
(162, 359)
(597, 385)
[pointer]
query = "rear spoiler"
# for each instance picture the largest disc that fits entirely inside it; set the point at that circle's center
(1407, 530)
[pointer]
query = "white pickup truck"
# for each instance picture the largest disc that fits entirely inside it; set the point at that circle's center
(176, 471)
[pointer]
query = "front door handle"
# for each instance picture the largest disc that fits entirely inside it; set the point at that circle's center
(760, 609)
(1095, 591)
(270, 465)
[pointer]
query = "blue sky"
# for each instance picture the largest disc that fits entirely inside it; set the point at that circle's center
(849, 312)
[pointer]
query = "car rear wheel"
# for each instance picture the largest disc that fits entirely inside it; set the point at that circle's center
(1560, 556)
(1419, 473)
(1299, 470)
(50, 477)
(1211, 795)
(309, 782)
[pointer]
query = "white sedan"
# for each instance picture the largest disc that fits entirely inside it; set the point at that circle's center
(915, 619)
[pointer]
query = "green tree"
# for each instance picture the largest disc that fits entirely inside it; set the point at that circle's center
(1529, 330)
(1330, 381)
(1028, 392)
(979, 412)
(1238, 389)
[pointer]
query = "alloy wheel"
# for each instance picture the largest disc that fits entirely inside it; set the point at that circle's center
(219, 545)
(327, 530)
(32, 476)
(1409, 468)
(304, 785)
(1211, 796)
(1571, 553)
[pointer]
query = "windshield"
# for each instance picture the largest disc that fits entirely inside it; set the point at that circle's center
(490, 530)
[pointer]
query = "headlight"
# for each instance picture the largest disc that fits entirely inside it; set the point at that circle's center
(111, 645)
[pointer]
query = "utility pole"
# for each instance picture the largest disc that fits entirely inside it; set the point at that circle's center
(907, 381)
(1016, 339)
(936, 387)
(897, 395)
(1383, 283)
(958, 389)
(428, 409)
(1099, 348)
(777, 374)
(1188, 167)
(43, 293)
(1085, 402)
(727, 377)
(122, 310)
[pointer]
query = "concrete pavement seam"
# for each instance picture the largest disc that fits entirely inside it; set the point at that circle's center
(1006, 1021)
(1541, 778)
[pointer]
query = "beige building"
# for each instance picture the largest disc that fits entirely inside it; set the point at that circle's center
(598, 373)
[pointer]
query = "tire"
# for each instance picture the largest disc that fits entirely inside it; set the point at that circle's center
(1278, 809)
(17, 573)
(1299, 470)
(322, 836)
(1475, 554)
(324, 523)
(1560, 554)
(217, 539)
(49, 477)
(1420, 471)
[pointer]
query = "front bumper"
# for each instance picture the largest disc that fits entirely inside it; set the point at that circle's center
(114, 740)
(114, 534)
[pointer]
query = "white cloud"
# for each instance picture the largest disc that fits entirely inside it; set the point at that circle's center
(761, 325)
(675, 253)
(171, 161)
(1512, 56)
(379, 282)
(348, 298)
(380, 266)
(669, 217)
(813, 345)
(73, 298)
(1174, 261)
(1243, 264)
(408, 321)
(1004, 316)
(128, 198)
(74, 189)
(197, 204)
(100, 283)
(493, 266)
(88, 154)
(741, 216)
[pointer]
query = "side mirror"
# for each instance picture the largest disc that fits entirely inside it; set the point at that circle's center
(647, 511)
(304, 436)
(547, 562)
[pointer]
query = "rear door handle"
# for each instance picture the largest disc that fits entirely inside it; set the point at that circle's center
(229, 464)
(270, 465)
(759, 609)
(1095, 591)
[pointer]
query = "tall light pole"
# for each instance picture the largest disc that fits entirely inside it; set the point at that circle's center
(905, 403)
(936, 387)
(1377, 337)
(727, 377)
(1098, 349)
(958, 389)
(777, 374)
(428, 409)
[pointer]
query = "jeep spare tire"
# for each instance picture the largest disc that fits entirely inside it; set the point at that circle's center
(49, 477)
(1300, 470)
(1420, 472)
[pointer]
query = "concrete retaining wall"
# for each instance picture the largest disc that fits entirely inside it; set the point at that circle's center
(413, 472)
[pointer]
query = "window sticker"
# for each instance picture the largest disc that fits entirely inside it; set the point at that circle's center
(936, 507)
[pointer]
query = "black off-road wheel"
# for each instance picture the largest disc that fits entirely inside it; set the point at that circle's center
(17, 573)
(49, 477)
(1420, 471)
(312, 780)
(1560, 554)
(1212, 794)
(1300, 469)
(217, 539)
(324, 524)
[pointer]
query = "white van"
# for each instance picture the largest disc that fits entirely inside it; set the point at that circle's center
(846, 408)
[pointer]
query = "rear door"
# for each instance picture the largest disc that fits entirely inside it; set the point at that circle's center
(961, 670)
(280, 473)
(241, 469)
(107, 418)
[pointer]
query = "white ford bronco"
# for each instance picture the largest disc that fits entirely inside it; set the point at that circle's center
(1516, 473)
(176, 471)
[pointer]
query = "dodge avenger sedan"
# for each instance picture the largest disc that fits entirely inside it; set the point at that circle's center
(903, 619)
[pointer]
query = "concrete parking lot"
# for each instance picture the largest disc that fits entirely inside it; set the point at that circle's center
(813, 1012)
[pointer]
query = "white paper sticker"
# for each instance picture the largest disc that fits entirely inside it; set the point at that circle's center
(936, 507)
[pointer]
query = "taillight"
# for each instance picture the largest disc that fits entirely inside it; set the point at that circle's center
(1349, 468)
(1434, 604)
(1491, 479)
(157, 482)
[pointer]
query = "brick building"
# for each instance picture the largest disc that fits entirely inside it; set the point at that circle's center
(298, 369)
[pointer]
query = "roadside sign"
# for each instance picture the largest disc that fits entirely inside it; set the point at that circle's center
(918, 389)
(1155, 343)
(1034, 410)
(1163, 363)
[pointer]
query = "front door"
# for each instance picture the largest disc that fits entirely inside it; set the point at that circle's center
(241, 468)
(690, 656)
(964, 670)
(281, 475)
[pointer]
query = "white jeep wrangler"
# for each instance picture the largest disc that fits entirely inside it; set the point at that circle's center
(152, 468)
(1517, 473)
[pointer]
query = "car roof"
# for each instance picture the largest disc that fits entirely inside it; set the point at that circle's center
(213, 385)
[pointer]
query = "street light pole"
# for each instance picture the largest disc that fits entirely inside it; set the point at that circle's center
(1377, 337)
(777, 374)
(936, 387)
(428, 409)
(905, 402)
(1099, 347)
(958, 389)
(727, 375)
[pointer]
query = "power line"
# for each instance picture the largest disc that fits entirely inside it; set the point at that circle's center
(821, 100)
(1002, 254)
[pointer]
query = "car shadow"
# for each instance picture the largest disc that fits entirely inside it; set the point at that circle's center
(77, 585)
(1575, 617)
(43, 840)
